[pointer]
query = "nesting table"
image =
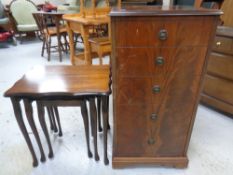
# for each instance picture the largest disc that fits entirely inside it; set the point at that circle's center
(60, 85)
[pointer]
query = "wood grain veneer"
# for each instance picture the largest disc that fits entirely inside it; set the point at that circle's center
(159, 59)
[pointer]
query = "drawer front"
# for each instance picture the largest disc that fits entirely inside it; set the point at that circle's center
(223, 45)
(132, 130)
(221, 65)
(163, 31)
(141, 62)
(134, 62)
(144, 130)
(144, 62)
(175, 113)
(219, 88)
(132, 91)
(179, 60)
(144, 31)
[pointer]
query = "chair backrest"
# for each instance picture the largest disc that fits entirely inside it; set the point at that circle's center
(73, 2)
(45, 20)
(22, 11)
(91, 8)
(39, 18)
(2, 15)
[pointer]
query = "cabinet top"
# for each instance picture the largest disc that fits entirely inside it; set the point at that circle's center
(163, 11)
(225, 31)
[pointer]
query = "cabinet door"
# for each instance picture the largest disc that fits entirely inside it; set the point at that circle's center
(131, 130)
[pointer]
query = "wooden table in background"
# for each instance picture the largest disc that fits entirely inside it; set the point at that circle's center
(78, 24)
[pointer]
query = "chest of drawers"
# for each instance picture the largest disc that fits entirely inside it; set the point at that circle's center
(218, 84)
(158, 61)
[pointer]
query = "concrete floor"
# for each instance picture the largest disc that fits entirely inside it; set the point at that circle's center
(210, 150)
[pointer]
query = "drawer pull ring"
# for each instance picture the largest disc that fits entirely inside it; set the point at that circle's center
(153, 116)
(151, 141)
(156, 89)
(163, 34)
(159, 60)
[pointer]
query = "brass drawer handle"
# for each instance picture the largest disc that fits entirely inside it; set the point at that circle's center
(153, 116)
(218, 43)
(159, 61)
(163, 35)
(151, 141)
(156, 89)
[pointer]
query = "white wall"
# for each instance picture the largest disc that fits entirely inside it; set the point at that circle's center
(38, 1)
(165, 2)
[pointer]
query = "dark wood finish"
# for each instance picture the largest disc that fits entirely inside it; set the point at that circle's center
(218, 84)
(74, 85)
(19, 118)
(161, 11)
(41, 116)
(29, 114)
(159, 59)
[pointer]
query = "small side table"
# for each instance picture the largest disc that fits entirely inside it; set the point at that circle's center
(61, 85)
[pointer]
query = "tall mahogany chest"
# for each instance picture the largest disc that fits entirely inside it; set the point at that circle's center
(159, 58)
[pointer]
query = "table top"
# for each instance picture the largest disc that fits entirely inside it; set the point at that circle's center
(87, 20)
(162, 11)
(65, 81)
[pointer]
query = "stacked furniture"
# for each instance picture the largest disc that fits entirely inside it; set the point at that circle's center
(218, 86)
(74, 86)
(159, 58)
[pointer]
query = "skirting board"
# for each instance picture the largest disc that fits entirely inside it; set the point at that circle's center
(177, 162)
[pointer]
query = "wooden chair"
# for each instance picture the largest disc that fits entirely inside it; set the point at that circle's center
(47, 32)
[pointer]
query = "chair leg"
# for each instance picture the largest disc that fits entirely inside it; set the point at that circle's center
(86, 125)
(43, 48)
(21, 38)
(40, 109)
(29, 115)
(100, 55)
(66, 44)
(93, 116)
(59, 47)
(49, 49)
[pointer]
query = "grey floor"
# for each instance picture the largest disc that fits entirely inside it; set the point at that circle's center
(210, 151)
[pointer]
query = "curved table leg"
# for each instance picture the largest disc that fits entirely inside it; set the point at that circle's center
(29, 114)
(99, 114)
(40, 109)
(105, 126)
(86, 125)
(58, 119)
(93, 114)
(53, 118)
(19, 119)
(50, 118)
